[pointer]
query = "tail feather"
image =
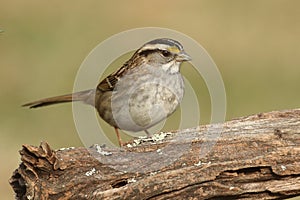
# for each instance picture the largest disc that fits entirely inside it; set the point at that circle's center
(86, 96)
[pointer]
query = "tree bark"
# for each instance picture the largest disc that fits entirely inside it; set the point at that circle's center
(254, 157)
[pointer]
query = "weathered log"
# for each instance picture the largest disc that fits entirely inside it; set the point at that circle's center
(247, 158)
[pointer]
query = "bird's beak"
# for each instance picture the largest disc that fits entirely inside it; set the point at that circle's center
(183, 56)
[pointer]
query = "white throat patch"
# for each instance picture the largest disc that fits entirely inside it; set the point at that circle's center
(171, 67)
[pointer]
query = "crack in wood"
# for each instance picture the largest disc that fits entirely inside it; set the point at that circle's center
(255, 157)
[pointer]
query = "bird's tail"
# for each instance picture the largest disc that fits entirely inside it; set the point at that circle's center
(87, 96)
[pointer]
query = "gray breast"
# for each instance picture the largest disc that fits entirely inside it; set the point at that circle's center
(139, 102)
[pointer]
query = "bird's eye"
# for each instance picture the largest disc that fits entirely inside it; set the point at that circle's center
(166, 53)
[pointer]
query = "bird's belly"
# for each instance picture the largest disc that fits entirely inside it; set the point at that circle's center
(144, 106)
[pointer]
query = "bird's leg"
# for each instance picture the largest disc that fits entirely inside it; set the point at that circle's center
(119, 137)
(147, 132)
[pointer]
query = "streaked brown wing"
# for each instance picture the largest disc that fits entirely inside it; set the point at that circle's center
(109, 83)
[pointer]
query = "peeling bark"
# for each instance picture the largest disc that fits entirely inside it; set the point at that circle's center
(247, 158)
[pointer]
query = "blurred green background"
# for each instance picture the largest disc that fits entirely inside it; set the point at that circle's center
(254, 43)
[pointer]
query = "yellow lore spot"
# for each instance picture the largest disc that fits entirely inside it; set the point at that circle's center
(173, 49)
